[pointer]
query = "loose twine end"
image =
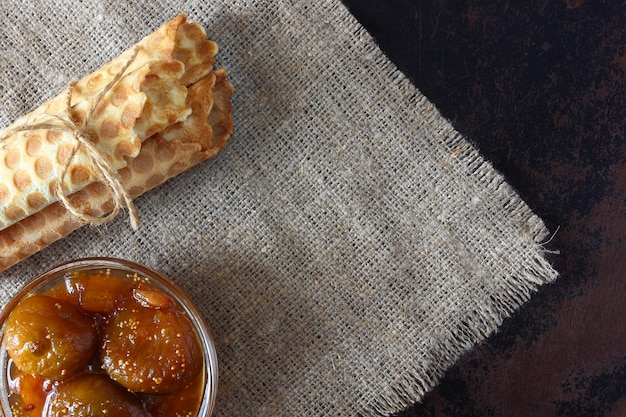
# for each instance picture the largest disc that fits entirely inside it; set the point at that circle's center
(105, 172)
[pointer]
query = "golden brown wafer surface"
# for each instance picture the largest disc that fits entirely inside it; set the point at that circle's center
(181, 146)
(166, 112)
(149, 97)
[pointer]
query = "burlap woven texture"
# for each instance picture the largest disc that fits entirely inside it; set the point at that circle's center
(345, 248)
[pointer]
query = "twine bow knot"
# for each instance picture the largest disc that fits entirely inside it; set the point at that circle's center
(78, 130)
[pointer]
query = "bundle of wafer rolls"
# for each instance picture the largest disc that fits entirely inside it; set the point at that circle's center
(149, 114)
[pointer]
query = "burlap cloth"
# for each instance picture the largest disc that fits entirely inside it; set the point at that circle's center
(346, 247)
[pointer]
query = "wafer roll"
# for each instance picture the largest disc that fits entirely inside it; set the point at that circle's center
(197, 129)
(164, 155)
(149, 96)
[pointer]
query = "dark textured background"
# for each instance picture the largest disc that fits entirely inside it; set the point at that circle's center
(539, 87)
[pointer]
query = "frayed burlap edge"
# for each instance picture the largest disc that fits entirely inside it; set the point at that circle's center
(537, 270)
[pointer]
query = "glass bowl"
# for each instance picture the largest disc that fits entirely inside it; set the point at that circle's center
(63, 274)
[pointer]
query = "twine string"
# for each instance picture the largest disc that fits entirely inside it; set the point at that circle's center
(100, 163)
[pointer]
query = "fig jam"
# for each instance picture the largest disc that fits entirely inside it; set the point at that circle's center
(103, 342)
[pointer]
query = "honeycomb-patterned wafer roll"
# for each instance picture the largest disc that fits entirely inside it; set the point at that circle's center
(147, 95)
(164, 155)
(153, 112)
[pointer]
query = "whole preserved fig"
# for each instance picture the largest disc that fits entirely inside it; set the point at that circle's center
(150, 347)
(93, 395)
(50, 338)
